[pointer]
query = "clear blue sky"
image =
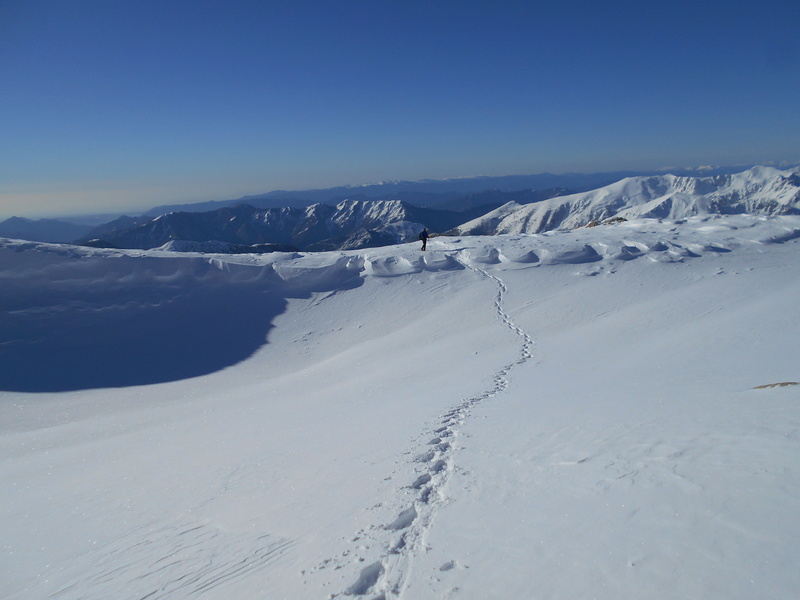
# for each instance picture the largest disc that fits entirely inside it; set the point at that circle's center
(110, 104)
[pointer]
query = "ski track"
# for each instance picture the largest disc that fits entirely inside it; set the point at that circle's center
(168, 560)
(404, 538)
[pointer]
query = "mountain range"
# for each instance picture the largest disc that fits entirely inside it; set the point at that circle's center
(99, 231)
(436, 193)
(350, 224)
(759, 190)
(361, 220)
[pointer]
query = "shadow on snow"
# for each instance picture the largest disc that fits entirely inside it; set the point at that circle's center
(128, 326)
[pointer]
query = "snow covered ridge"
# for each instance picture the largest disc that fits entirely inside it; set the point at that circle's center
(560, 415)
(217, 247)
(49, 289)
(760, 190)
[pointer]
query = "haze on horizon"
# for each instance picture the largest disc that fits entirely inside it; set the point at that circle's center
(108, 107)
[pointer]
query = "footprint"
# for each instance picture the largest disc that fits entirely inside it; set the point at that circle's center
(438, 466)
(403, 520)
(421, 481)
(369, 577)
(425, 457)
(425, 497)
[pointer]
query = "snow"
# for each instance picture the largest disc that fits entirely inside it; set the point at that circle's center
(559, 415)
(759, 190)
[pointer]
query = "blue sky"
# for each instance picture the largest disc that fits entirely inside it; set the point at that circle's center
(106, 105)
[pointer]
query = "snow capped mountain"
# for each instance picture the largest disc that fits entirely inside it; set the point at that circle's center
(431, 193)
(760, 190)
(351, 214)
(350, 224)
(361, 222)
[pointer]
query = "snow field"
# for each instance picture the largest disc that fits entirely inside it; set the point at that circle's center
(557, 416)
(635, 460)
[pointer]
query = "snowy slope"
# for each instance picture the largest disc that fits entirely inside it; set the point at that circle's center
(760, 190)
(564, 415)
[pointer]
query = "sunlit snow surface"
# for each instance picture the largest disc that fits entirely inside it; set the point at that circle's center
(565, 415)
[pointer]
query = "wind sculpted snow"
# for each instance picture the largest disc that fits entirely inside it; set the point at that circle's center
(569, 414)
(88, 319)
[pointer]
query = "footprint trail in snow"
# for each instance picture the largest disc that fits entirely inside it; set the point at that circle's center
(405, 537)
